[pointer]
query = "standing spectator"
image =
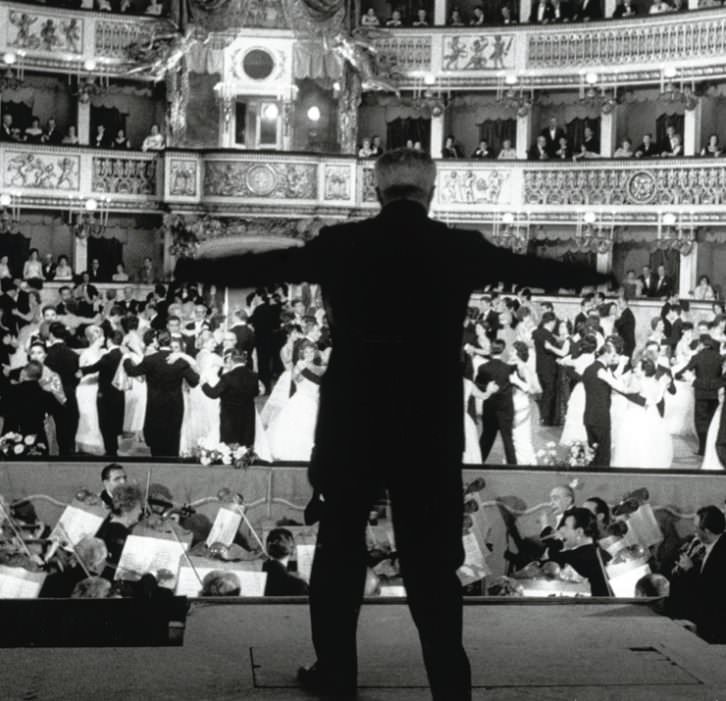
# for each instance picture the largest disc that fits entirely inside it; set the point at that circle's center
(552, 134)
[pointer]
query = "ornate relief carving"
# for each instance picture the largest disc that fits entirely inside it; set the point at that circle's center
(674, 186)
(183, 178)
(400, 54)
(124, 176)
(368, 185)
(295, 181)
(478, 52)
(466, 186)
(39, 32)
(337, 182)
(114, 36)
(41, 171)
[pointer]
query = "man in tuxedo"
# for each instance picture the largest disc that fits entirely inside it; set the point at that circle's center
(265, 320)
(48, 267)
(547, 350)
(110, 399)
(498, 409)
(624, 9)
(671, 145)
(376, 322)
(646, 278)
(6, 129)
(625, 326)
(244, 332)
(64, 361)
(662, 284)
(589, 148)
(165, 404)
(538, 152)
(488, 317)
(710, 583)
(112, 475)
(587, 10)
(236, 390)
(52, 135)
(552, 133)
(706, 365)
(281, 582)
(647, 148)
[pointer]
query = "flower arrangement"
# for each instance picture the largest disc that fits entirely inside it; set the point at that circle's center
(575, 454)
(235, 455)
(16, 445)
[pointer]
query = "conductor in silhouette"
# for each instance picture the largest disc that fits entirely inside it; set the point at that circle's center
(379, 427)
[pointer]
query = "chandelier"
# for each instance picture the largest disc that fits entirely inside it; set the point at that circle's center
(594, 95)
(593, 235)
(513, 95)
(674, 90)
(508, 231)
(87, 224)
(12, 79)
(676, 233)
(88, 86)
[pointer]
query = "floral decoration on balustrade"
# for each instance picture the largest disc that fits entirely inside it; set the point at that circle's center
(16, 445)
(235, 455)
(189, 232)
(571, 455)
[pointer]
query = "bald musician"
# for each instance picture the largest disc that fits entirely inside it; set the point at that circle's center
(382, 427)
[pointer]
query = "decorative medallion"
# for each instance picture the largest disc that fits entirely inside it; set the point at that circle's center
(641, 187)
(261, 180)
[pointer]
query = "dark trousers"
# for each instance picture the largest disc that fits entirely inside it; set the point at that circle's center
(266, 364)
(163, 441)
(497, 419)
(702, 415)
(547, 403)
(600, 435)
(66, 425)
(110, 405)
(434, 594)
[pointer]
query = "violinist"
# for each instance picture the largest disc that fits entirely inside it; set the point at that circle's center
(126, 509)
(281, 582)
(112, 475)
(164, 516)
(89, 558)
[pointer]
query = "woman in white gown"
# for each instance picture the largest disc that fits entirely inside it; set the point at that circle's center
(523, 381)
(135, 394)
(681, 405)
(711, 460)
(292, 432)
(280, 393)
(472, 451)
(88, 436)
(574, 427)
(643, 439)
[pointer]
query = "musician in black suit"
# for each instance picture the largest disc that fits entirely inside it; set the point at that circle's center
(706, 364)
(498, 409)
(280, 582)
(236, 390)
(710, 583)
(164, 404)
(376, 322)
(64, 361)
(110, 399)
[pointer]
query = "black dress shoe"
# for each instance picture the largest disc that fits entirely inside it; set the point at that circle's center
(312, 680)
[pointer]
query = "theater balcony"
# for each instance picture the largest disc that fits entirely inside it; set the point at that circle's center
(56, 40)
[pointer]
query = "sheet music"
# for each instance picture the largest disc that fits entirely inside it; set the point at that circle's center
(77, 524)
(142, 555)
(305, 554)
(475, 567)
(251, 583)
(19, 583)
(225, 527)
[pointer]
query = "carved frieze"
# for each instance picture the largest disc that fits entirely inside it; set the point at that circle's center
(38, 32)
(478, 52)
(402, 53)
(337, 182)
(124, 176)
(31, 170)
(462, 186)
(183, 177)
(254, 179)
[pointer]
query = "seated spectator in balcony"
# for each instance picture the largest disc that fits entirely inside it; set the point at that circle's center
(120, 140)
(455, 19)
(100, 139)
(482, 151)
(154, 8)
(624, 9)
(52, 134)
(370, 19)
(280, 581)
(538, 152)
(703, 289)
(365, 151)
(543, 13)
(146, 274)
(659, 7)
(71, 138)
(418, 146)
(451, 149)
(33, 269)
(103, 6)
(6, 130)
(478, 17)
(647, 148)
(376, 147)
(625, 150)
(505, 15)
(154, 141)
(560, 11)
(589, 148)
(563, 152)
(713, 147)
(586, 10)
(421, 19)
(395, 20)
(33, 133)
(672, 147)
(63, 270)
(120, 275)
(48, 267)
(507, 152)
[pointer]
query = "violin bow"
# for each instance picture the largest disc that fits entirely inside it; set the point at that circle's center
(243, 508)
(15, 530)
(148, 487)
(64, 533)
(187, 558)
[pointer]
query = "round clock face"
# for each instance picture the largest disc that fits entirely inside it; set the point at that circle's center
(258, 64)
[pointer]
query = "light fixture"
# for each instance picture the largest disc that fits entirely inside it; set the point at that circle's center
(508, 218)
(677, 233)
(670, 71)
(314, 113)
(514, 97)
(668, 219)
(429, 79)
(589, 218)
(9, 58)
(510, 232)
(270, 112)
(89, 64)
(5, 200)
(91, 205)
(591, 78)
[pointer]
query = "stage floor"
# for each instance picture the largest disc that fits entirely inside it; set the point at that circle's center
(533, 651)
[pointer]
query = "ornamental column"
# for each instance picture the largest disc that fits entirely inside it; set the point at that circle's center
(177, 97)
(348, 104)
(83, 125)
(692, 128)
(524, 132)
(437, 135)
(608, 134)
(688, 277)
(439, 13)
(604, 261)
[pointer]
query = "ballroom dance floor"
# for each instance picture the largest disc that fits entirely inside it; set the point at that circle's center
(530, 651)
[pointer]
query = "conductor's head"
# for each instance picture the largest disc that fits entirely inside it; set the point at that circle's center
(405, 174)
